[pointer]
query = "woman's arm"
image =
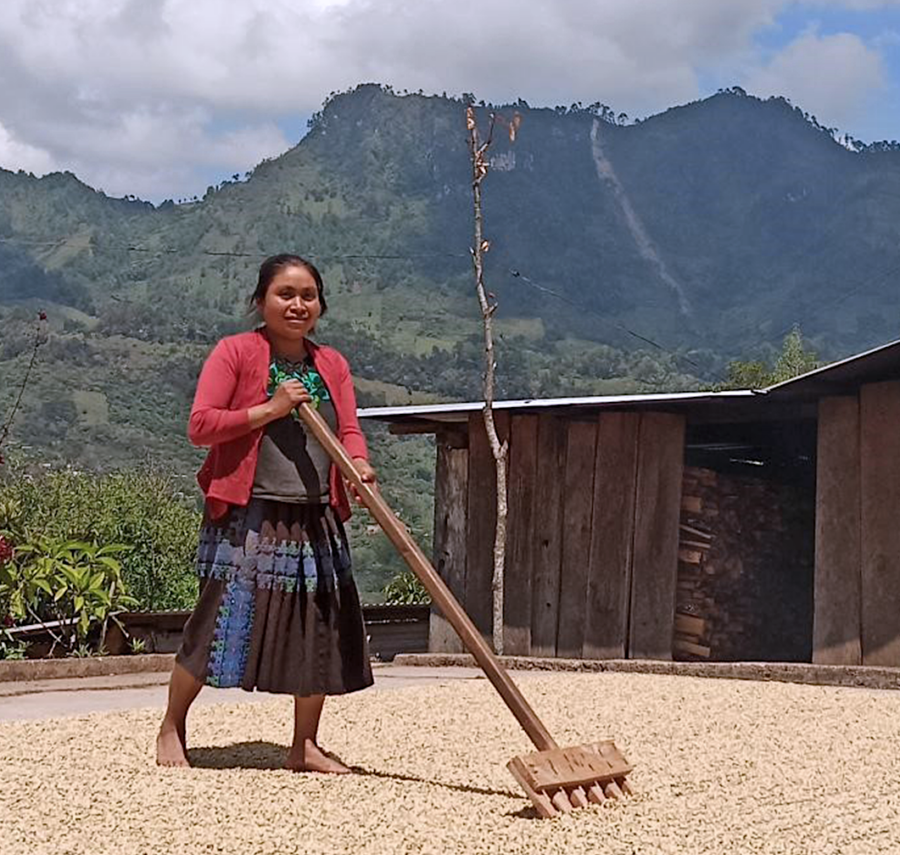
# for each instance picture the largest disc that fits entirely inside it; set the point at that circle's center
(213, 422)
(350, 435)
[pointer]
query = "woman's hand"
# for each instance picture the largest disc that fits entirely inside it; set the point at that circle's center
(367, 476)
(288, 396)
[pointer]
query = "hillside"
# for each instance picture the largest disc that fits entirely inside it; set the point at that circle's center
(710, 228)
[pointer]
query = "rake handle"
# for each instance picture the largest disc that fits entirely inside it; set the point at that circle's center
(440, 593)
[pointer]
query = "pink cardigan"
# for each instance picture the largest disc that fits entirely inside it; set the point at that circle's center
(234, 378)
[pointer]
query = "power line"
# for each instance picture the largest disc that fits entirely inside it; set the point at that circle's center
(232, 254)
(845, 295)
(646, 339)
(821, 241)
(365, 256)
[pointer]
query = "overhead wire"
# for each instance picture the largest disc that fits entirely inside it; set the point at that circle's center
(128, 247)
(846, 293)
(516, 274)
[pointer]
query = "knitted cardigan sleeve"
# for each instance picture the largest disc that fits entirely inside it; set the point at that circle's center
(211, 421)
(351, 436)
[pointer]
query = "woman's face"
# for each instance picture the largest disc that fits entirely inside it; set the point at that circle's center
(291, 306)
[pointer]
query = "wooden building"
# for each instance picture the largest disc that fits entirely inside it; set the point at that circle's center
(755, 524)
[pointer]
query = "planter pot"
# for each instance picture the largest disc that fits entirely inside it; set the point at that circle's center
(391, 630)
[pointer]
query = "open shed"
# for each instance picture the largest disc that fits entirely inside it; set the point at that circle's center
(738, 525)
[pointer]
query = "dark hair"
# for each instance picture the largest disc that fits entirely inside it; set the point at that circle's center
(273, 265)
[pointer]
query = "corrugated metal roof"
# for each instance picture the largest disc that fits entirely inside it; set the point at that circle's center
(459, 411)
(845, 375)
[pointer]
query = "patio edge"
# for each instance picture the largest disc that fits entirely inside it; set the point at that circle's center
(848, 676)
(16, 670)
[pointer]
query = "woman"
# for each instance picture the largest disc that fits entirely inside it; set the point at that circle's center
(278, 608)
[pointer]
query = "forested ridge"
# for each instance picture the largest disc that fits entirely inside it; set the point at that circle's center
(626, 257)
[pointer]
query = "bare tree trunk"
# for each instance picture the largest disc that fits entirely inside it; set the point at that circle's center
(478, 152)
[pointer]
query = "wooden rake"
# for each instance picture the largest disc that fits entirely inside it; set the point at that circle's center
(556, 779)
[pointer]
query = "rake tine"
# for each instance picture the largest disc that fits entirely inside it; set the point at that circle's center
(595, 794)
(625, 786)
(561, 802)
(612, 791)
(578, 797)
(543, 805)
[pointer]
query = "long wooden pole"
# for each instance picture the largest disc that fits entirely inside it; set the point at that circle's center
(440, 593)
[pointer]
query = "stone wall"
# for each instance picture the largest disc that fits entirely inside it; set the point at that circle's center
(745, 569)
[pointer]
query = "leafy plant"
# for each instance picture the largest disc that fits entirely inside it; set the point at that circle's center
(77, 584)
(795, 358)
(142, 508)
(85, 651)
(11, 648)
(405, 589)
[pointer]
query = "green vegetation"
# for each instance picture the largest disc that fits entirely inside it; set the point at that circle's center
(147, 511)
(76, 585)
(405, 589)
(754, 210)
(795, 359)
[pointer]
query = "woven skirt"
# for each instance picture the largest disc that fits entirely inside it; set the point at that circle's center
(278, 608)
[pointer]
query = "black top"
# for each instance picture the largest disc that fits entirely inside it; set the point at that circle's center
(292, 465)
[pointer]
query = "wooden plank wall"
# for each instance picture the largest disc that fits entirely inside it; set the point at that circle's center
(450, 512)
(612, 537)
(547, 494)
(520, 544)
(581, 443)
(879, 409)
(592, 542)
(836, 614)
(857, 578)
(655, 560)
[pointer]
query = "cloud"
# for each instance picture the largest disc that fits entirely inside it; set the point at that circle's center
(18, 155)
(856, 5)
(148, 93)
(170, 154)
(830, 76)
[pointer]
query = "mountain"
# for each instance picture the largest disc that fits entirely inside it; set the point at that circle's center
(708, 230)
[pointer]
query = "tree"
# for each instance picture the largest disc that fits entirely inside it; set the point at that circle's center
(478, 153)
(795, 359)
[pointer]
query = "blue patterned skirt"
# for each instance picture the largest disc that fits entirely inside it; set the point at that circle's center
(278, 608)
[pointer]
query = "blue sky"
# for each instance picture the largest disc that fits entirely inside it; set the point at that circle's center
(160, 98)
(879, 28)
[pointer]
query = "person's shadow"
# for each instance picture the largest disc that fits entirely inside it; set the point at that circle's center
(239, 755)
(269, 755)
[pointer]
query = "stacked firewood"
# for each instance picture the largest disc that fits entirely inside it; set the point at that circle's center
(699, 509)
(744, 569)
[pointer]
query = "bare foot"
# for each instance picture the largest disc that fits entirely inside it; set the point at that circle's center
(311, 758)
(170, 748)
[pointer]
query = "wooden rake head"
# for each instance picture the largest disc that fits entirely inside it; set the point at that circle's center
(561, 779)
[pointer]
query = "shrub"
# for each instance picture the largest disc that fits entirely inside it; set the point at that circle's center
(141, 508)
(77, 584)
(405, 589)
